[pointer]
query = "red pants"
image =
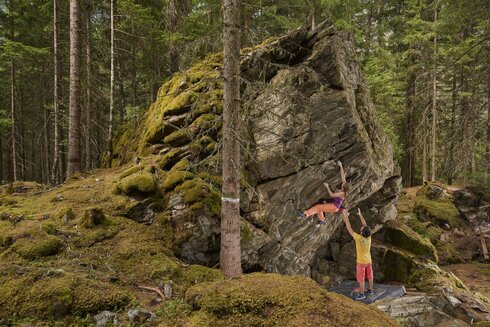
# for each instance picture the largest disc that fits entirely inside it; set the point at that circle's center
(364, 271)
(319, 209)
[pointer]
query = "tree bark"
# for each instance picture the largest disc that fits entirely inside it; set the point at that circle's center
(409, 160)
(314, 13)
(56, 169)
(230, 205)
(88, 105)
(434, 102)
(487, 147)
(12, 106)
(74, 130)
(450, 163)
(111, 95)
(424, 150)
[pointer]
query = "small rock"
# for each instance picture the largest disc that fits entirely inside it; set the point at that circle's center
(140, 315)
(167, 289)
(104, 318)
(454, 301)
(58, 198)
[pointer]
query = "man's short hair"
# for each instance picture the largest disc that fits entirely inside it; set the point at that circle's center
(366, 231)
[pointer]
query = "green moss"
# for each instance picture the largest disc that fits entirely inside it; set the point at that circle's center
(440, 212)
(245, 233)
(430, 278)
(170, 159)
(91, 237)
(200, 195)
(90, 297)
(181, 103)
(397, 265)
(196, 274)
(183, 164)
(65, 215)
(206, 122)
(94, 217)
(481, 324)
(425, 229)
(175, 178)
(404, 237)
(178, 138)
(142, 182)
(33, 248)
(130, 171)
(274, 300)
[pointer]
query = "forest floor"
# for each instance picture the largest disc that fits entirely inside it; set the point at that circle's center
(475, 275)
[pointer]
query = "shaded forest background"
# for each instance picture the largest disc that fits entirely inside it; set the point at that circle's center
(427, 63)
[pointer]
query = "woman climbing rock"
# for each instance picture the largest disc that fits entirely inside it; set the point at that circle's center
(333, 205)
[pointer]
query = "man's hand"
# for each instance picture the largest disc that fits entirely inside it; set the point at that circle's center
(359, 211)
(326, 185)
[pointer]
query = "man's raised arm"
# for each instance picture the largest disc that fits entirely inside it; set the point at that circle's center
(363, 222)
(345, 217)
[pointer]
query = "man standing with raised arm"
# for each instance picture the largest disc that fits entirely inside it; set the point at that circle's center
(363, 253)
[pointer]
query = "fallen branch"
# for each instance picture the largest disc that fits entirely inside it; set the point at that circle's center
(154, 289)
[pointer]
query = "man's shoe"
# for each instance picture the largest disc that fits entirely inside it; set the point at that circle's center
(320, 222)
(370, 292)
(360, 296)
(302, 216)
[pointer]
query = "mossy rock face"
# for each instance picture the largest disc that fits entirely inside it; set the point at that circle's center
(37, 247)
(175, 178)
(198, 194)
(441, 212)
(274, 300)
(130, 171)
(431, 278)
(141, 182)
(93, 217)
(404, 237)
(397, 266)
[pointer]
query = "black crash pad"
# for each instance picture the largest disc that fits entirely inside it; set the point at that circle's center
(384, 291)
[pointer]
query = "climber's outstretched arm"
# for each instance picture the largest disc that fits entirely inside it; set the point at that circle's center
(361, 217)
(342, 173)
(345, 217)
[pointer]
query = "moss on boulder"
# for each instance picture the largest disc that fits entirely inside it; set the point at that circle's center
(141, 182)
(273, 300)
(397, 265)
(440, 212)
(405, 238)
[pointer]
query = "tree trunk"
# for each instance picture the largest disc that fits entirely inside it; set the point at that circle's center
(12, 106)
(230, 201)
(434, 102)
(88, 105)
(111, 95)
(488, 112)
(409, 160)
(74, 158)
(56, 169)
(450, 163)
(424, 151)
(314, 13)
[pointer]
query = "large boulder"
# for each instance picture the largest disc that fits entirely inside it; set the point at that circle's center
(305, 106)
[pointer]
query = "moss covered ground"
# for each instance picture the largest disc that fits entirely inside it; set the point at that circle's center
(64, 260)
(273, 300)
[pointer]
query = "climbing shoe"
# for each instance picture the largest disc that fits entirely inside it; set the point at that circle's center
(320, 222)
(301, 215)
(370, 292)
(360, 296)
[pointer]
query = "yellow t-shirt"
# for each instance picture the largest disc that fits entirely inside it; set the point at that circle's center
(363, 248)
